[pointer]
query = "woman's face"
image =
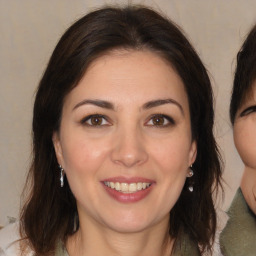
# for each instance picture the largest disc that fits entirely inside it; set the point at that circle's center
(245, 130)
(125, 141)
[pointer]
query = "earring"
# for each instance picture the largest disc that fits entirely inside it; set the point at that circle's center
(61, 176)
(189, 175)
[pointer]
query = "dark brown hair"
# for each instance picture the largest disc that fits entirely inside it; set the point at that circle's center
(50, 213)
(245, 73)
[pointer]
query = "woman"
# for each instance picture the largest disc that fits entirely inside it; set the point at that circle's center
(123, 110)
(239, 235)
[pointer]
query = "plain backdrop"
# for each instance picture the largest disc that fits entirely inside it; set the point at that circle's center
(30, 29)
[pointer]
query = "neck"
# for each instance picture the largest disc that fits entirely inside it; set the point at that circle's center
(93, 240)
(248, 187)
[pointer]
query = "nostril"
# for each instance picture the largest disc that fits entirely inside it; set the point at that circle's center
(129, 159)
(128, 148)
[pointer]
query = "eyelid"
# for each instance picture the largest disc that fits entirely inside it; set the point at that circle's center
(88, 117)
(168, 118)
(248, 111)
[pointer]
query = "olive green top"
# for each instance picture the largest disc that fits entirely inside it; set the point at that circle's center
(239, 236)
(183, 248)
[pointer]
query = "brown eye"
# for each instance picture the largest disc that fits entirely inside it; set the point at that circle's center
(96, 120)
(158, 120)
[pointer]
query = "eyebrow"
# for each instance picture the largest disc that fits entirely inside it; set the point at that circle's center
(98, 103)
(156, 103)
(147, 105)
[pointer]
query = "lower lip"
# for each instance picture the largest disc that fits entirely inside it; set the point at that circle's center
(128, 197)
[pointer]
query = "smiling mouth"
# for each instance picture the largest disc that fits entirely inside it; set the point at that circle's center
(126, 187)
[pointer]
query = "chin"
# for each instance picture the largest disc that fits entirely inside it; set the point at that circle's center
(134, 222)
(128, 224)
(128, 227)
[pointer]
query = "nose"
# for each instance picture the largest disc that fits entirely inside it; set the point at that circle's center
(129, 148)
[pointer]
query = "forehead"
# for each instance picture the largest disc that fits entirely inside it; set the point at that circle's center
(130, 77)
(127, 62)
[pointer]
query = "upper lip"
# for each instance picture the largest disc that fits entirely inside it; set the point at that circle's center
(128, 180)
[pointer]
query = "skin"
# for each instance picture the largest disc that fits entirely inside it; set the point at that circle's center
(129, 142)
(245, 141)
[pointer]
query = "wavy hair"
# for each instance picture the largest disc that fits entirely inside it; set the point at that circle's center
(49, 213)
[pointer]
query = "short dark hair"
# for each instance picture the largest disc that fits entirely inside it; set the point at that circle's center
(50, 213)
(245, 73)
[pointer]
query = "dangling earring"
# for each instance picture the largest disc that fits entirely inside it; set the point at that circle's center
(61, 176)
(189, 175)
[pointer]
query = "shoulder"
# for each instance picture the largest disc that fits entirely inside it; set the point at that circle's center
(9, 241)
(239, 233)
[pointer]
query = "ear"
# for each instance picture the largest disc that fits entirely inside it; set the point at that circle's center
(192, 152)
(57, 148)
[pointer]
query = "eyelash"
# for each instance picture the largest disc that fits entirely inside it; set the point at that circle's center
(85, 120)
(168, 121)
(247, 111)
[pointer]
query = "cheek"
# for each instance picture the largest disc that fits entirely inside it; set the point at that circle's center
(245, 142)
(171, 161)
(83, 155)
(172, 155)
(83, 163)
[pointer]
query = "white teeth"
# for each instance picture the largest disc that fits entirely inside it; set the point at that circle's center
(139, 186)
(117, 186)
(127, 188)
(124, 187)
(112, 184)
(133, 187)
